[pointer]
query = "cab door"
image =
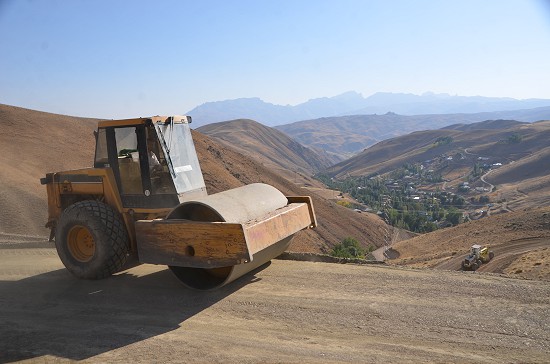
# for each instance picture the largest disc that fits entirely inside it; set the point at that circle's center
(129, 158)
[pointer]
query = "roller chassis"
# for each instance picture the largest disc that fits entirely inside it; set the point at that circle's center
(102, 215)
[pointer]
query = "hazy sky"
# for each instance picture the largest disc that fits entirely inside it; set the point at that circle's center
(111, 59)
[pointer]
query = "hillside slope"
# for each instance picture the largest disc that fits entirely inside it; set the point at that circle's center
(274, 149)
(33, 143)
(517, 154)
(347, 135)
(489, 139)
(224, 168)
(504, 233)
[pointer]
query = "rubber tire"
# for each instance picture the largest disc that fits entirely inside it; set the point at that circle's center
(491, 256)
(108, 231)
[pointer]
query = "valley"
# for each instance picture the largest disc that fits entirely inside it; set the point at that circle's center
(422, 197)
(483, 165)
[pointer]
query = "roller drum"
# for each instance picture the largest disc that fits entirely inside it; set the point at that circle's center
(238, 205)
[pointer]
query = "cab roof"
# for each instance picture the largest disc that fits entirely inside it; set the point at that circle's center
(178, 119)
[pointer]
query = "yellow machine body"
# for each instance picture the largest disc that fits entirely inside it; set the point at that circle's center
(146, 197)
(478, 255)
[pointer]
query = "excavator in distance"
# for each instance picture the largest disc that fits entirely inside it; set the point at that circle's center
(145, 196)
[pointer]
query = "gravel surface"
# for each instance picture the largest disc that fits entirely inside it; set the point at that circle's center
(286, 312)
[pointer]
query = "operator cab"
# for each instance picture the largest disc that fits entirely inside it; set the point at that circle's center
(475, 250)
(153, 160)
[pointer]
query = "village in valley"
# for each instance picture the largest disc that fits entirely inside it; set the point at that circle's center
(444, 191)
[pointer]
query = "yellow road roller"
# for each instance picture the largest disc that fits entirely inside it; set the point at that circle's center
(145, 196)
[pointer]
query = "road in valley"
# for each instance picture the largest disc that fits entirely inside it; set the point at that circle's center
(482, 178)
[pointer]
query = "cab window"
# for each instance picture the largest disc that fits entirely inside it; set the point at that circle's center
(128, 160)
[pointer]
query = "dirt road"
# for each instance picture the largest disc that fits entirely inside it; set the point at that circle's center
(287, 312)
(504, 255)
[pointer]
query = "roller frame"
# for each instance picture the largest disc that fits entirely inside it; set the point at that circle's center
(206, 240)
(207, 245)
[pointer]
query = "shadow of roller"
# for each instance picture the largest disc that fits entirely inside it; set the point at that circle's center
(238, 205)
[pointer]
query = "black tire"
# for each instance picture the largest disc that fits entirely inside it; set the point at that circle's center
(91, 240)
(491, 256)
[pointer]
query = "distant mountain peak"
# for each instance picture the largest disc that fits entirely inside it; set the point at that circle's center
(271, 114)
(434, 95)
(348, 95)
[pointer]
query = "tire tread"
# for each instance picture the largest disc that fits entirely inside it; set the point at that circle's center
(102, 220)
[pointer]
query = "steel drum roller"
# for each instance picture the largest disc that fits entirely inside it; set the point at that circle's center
(238, 205)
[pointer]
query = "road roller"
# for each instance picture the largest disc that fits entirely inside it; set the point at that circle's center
(145, 197)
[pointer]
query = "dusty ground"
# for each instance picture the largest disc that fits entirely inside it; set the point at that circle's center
(287, 312)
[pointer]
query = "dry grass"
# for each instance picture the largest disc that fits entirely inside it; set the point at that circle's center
(533, 265)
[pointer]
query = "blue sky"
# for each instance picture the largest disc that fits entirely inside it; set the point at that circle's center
(115, 59)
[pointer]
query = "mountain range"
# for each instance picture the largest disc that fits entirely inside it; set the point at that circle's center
(344, 136)
(353, 103)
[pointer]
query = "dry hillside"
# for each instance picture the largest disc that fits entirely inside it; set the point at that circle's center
(523, 180)
(31, 144)
(520, 239)
(34, 143)
(390, 154)
(224, 168)
(487, 139)
(347, 135)
(274, 149)
(524, 183)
